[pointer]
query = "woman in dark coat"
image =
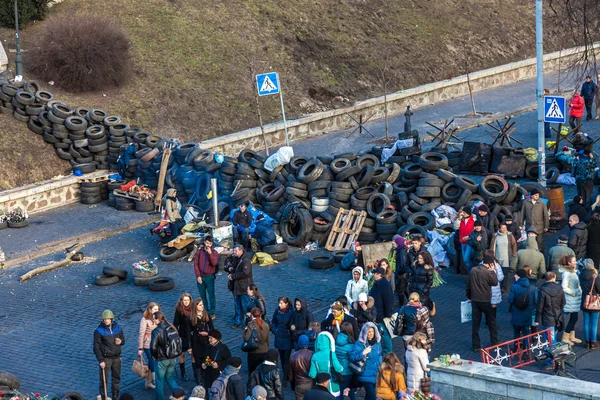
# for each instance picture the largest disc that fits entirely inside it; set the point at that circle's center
(219, 355)
(422, 278)
(403, 270)
(593, 250)
(521, 318)
(182, 323)
(201, 324)
(301, 319)
(280, 327)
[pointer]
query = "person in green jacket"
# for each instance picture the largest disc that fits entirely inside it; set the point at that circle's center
(344, 342)
(531, 256)
(324, 360)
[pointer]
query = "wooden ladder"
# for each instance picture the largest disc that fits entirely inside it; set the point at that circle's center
(346, 227)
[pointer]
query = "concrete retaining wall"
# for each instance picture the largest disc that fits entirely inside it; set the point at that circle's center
(330, 121)
(482, 381)
(45, 195)
(3, 59)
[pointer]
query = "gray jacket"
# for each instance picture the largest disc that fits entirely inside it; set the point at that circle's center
(554, 255)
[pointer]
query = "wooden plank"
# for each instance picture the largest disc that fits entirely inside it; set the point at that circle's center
(342, 237)
(373, 252)
(334, 231)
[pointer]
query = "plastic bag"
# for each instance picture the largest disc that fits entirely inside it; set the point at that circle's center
(565, 179)
(283, 156)
(531, 154)
(263, 259)
(466, 311)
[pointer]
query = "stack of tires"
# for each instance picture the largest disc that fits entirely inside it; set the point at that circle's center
(110, 276)
(279, 251)
(93, 192)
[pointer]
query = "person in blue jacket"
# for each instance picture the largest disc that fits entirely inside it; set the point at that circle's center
(367, 350)
(280, 327)
(522, 318)
(263, 232)
(344, 343)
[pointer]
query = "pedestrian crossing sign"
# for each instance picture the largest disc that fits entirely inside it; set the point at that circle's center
(267, 84)
(554, 109)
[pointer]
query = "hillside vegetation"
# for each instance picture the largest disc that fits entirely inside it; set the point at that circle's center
(192, 58)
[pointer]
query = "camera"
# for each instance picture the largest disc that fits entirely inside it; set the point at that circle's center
(558, 352)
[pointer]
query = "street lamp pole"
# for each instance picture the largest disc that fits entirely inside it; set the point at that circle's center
(539, 49)
(18, 59)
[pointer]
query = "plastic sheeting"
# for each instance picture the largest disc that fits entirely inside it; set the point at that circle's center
(444, 215)
(255, 213)
(436, 248)
(565, 179)
(283, 156)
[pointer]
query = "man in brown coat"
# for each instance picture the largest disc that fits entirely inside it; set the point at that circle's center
(299, 367)
(535, 213)
(504, 246)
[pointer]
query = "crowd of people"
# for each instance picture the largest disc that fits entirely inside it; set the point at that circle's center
(351, 347)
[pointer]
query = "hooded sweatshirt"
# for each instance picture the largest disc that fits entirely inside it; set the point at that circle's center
(300, 319)
(354, 288)
(172, 206)
(531, 256)
(324, 359)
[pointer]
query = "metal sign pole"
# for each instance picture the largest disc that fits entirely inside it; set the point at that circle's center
(287, 142)
(539, 46)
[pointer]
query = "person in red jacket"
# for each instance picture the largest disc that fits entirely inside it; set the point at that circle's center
(205, 267)
(466, 226)
(576, 104)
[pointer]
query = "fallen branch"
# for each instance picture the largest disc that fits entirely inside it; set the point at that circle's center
(52, 266)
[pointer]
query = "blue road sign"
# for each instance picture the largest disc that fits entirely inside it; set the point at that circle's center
(555, 109)
(267, 84)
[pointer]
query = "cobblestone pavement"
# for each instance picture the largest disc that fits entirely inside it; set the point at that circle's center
(47, 323)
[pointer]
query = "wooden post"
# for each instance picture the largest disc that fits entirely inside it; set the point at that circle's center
(52, 266)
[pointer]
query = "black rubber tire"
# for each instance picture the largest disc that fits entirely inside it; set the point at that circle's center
(340, 164)
(72, 396)
(552, 174)
(531, 171)
(432, 182)
(446, 175)
(22, 224)
(386, 229)
(466, 183)
(493, 187)
(304, 229)
(387, 217)
(428, 191)
(161, 284)
(9, 380)
(139, 281)
(110, 271)
(372, 210)
(171, 253)
(411, 229)
(310, 172)
(303, 194)
(433, 161)
(91, 199)
(106, 280)
(144, 206)
(430, 206)
(451, 192)
(347, 173)
(321, 262)
(84, 168)
(417, 199)
(412, 171)
(423, 219)
(339, 254)
(463, 199)
(279, 256)
(276, 248)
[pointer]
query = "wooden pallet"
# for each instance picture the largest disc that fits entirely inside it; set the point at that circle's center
(100, 178)
(126, 195)
(345, 230)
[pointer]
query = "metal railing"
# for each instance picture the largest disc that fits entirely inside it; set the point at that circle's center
(519, 352)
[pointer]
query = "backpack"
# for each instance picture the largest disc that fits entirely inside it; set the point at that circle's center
(173, 347)
(522, 302)
(218, 389)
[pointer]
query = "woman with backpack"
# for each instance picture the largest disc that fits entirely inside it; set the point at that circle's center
(183, 310)
(147, 325)
(258, 351)
(165, 346)
(201, 324)
(256, 299)
(324, 360)
(570, 284)
(522, 300)
(280, 327)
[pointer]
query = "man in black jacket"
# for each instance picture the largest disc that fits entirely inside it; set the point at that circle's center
(229, 381)
(241, 222)
(578, 237)
(165, 362)
(551, 301)
(382, 293)
(321, 390)
(403, 270)
(416, 248)
(588, 92)
(479, 292)
(240, 276)
(108, 339)
(268, 376)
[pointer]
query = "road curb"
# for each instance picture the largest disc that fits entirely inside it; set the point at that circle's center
(85, 238)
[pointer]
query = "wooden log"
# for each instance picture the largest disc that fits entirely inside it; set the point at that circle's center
(40, 270)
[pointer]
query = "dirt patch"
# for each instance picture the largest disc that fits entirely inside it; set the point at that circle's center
(191, 71)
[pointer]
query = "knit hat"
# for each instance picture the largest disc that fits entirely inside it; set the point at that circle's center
(198, 392)
(508, 218)
(484, 208)
(363, 297)
(379, 270)
(215, 334)
(467, 210)
(323, 377)
(400, 241)
(235, 362)
(532, 229)
(178, 393)
(534, 191)
(259, 392)
(303, 341)
(272, 355)
(563, 238)
(577, 199)
(478, 223)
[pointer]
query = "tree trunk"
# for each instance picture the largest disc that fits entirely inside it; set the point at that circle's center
(471, 94)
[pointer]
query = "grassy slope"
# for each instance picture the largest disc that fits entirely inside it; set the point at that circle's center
(192, 57)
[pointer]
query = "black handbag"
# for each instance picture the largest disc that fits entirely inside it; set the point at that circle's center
(336, 376)
(252, 343)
